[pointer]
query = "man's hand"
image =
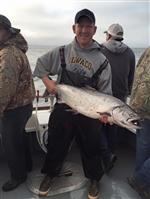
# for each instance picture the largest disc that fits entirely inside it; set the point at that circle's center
(105, 119)
(50, 85)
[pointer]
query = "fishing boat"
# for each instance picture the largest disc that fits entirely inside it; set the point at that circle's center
(71, 183)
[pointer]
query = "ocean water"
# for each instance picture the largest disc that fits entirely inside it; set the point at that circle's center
(36, 51)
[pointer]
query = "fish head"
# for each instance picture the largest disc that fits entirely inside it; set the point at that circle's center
(125, 117)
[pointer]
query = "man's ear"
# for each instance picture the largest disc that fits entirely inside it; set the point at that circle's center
(95, 29)
(73, 28)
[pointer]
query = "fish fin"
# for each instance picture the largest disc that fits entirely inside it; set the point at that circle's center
(104, 113)
(89, 88)
(59, 101)
(73, 111)
(132, 130)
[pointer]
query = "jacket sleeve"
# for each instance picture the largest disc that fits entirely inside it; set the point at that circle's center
(8, 78)
(131, 73)
(140, 96)
(48, 64)
(104, 84)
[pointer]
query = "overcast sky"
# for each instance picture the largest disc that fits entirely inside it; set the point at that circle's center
(49, 22)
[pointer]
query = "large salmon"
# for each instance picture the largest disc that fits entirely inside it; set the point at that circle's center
(94, 104)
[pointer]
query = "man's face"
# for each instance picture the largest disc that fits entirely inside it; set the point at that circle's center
(84, 31)
(3, 33)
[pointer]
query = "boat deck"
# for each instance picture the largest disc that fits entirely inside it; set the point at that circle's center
(112, 186)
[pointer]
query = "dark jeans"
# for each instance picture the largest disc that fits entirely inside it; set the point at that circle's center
(105, 146)
(111, 137)
(111, 134)
(142, 170)
(63, 127)
(15, 140)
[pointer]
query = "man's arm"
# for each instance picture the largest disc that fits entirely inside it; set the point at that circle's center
(49, 84)
(104, 84)
(131, 74)
(48, 64)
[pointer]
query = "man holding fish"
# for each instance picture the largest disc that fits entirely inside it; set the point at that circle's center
(78, 64)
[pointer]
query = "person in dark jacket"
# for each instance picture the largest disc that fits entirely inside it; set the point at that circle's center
(16, 95)
(122, 61)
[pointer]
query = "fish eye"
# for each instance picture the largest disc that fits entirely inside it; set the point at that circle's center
(135, 122)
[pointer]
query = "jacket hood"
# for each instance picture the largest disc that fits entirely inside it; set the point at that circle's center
(16, 40)
(94, 45)
(115, 46)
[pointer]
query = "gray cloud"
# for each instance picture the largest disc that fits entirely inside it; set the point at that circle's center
(49, 23)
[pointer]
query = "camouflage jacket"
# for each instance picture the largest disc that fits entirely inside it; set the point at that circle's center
(140, 96)
(16, 83)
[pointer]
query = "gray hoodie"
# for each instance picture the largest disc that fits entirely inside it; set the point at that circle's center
(78, 60)
(122, 61)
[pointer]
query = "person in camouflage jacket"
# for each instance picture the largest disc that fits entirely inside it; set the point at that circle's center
(140, 102)
(140, 98)
(16, 96)
(16, 83)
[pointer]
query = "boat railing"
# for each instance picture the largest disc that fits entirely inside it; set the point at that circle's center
(38, 122)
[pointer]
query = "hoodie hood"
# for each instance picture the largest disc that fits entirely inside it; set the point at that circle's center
(16, 40)
(115, 46)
